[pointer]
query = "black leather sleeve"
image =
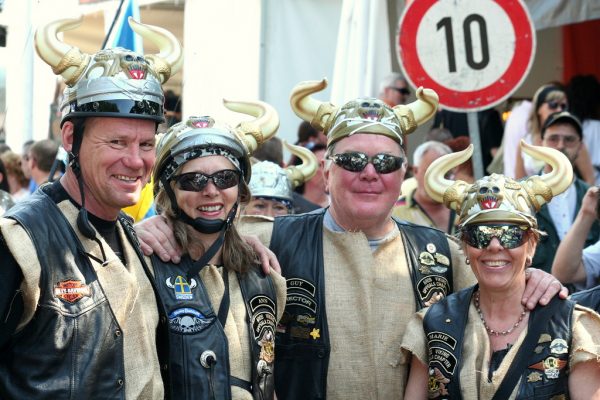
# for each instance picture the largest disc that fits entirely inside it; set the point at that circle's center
(11, 300)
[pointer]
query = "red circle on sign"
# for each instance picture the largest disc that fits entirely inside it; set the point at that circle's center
(475, 100)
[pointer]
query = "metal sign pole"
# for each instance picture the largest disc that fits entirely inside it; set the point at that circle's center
(476, 159)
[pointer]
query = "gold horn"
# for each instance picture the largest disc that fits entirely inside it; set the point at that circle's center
(548, 185)
(258, 131)
(170, 59)
(298, 174)
(309, 109)
(65, 60)
(444, 190)
(416, 113)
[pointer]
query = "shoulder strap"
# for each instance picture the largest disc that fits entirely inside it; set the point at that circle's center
(538, 321)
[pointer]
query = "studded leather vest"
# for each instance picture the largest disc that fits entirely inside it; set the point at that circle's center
(302, 339)
(547, 372)
(199, 355)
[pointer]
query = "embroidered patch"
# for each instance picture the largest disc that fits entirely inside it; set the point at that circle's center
(432, 285)
(301, 284)
(72, 290)
(442, 259)
(263, 316)
(302, 301)
(188, 321)
(300, 332)
(544, 337)
(443, 358)
(559, 346)
(183, 290)
(442, 338)
(436, 385)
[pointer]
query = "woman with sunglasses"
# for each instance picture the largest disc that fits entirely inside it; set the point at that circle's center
(481, 342)
(222, 309)
(547, 100)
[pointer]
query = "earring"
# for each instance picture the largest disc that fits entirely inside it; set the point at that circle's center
(467, 261)
(528, 262)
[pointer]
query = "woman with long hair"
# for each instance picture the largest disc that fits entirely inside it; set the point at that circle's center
(222, 309)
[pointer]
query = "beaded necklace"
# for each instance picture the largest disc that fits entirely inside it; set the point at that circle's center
(492, 331)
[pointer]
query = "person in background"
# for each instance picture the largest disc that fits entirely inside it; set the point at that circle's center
(583, 92)
(6, 200)
(41, 157)
(16, 179)
(481, 342)
(25, 165)
(312, 194)
(547, 100)
(576, 261)
(271, 186)
(393, 90)
(416, 206)
(561, 131)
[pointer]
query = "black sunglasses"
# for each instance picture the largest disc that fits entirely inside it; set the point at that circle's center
(554, 105)
(197, 181)
(356, 161)
(509, 236)
(401, 90)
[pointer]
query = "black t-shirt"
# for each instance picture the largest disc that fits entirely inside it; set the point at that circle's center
(11, 300)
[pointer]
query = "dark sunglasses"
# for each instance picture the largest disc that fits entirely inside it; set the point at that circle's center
(356, 161)
(197, 181)
(401, 90)
(554, 105)
(509, 236)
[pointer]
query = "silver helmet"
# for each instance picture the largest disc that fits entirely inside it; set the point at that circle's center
(271, 181)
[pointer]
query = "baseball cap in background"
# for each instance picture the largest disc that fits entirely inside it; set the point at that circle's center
(563, 116)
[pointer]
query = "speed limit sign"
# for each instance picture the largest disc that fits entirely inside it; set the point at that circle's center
(473, 53)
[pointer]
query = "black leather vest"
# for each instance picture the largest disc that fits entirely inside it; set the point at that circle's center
(302, 339)
(195, 330)
(547, 371)
(588, 298)
(73, 347)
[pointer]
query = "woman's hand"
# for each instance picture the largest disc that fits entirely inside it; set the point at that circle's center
(541, 288)
(156, 236)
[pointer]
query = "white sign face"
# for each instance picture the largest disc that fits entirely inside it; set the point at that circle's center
(474, 53)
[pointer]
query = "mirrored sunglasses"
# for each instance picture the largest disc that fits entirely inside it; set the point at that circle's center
(356, 161)
(509, 236)
(555, 105)
(197, 181)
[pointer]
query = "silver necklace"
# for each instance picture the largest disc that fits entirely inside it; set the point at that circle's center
(492, 331)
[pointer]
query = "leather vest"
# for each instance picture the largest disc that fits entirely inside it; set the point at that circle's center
(302, 339)
(72, 347)
(547, 372)
(195, 330)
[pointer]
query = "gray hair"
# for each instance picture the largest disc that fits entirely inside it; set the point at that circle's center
(390, 81)
(439, 147)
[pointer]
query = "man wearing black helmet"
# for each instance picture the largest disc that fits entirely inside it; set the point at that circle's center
(79, 312)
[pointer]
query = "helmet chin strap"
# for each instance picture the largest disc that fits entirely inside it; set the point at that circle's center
(202, 225)
(83, 222)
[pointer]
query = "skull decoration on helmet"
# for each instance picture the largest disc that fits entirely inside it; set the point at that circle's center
(364, 115)
(497, 197)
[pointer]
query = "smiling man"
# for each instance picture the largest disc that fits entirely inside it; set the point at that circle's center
(79, 313)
